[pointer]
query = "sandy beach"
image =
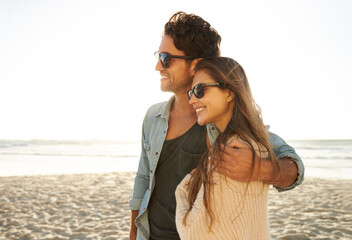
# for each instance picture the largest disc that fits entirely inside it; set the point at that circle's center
(95, 206)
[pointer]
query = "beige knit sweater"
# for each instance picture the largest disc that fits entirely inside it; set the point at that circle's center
(239, 214)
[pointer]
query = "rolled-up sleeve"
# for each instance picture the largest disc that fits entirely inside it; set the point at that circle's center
(141, 181)
(283, 150)
(140, 187)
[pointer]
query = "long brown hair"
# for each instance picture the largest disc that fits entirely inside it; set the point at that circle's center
(246, 123)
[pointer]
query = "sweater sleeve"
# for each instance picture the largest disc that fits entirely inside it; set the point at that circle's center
(182, 205)
(196, 218)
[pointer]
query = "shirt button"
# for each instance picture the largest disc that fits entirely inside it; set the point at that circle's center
(156, 153)
(213, 128)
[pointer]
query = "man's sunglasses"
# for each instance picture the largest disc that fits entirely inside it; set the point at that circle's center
(164, 58)
(198, 89)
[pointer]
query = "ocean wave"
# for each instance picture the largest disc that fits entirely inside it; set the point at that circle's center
(332, 157)
(69, 155)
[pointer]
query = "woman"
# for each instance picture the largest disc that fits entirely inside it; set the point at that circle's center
(210, 205)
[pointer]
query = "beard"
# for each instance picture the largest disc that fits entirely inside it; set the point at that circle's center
(176, 86)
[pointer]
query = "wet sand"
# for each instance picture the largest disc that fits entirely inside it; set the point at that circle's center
(95, 206)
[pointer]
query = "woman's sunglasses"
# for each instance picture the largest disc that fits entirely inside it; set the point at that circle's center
(164, 58)
(198, 89)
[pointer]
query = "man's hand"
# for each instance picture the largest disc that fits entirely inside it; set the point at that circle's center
(133, 228)
(237, 164)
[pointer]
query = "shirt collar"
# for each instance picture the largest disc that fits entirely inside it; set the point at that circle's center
(165, 111)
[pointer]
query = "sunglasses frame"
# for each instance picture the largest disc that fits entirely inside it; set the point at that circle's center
(165, 62)
(202, 85)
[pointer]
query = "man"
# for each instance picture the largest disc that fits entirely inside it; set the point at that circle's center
(173, 142)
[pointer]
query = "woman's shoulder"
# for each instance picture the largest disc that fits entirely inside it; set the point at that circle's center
(184, 183)
(223, 183)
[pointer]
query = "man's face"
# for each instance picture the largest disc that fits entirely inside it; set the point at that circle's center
(177, 78)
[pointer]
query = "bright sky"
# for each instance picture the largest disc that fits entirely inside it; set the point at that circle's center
(85, 69)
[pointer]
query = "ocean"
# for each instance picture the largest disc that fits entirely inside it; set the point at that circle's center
(322, 158)
(330, 159)
(42, 157)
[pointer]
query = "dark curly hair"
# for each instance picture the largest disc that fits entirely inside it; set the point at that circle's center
(193, 35)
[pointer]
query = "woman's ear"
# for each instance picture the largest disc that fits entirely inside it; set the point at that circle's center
(230, 95)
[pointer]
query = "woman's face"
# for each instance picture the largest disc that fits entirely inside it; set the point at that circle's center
(215, 106)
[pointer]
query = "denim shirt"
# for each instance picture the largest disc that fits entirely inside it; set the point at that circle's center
(155, 126)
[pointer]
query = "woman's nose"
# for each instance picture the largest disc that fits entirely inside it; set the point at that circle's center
(193, 99)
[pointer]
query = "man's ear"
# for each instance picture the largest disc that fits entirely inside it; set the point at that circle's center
(193, 65)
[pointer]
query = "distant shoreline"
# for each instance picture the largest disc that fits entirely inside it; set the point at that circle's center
(326, 159)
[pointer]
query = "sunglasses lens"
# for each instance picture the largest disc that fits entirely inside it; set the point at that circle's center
(190, 93)
(165, 60)
(198, 91)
